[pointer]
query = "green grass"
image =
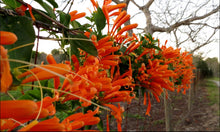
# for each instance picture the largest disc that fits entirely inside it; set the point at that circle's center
(157, 122)
(213, 92)
(137, 116)
(214, 78)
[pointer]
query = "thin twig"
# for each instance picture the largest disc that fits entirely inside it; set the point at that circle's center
(49, 18)
(66, 5)
(71, 4)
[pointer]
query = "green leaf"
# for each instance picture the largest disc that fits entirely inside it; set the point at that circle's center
(47, 8)
(12, 3)
(152, 46)
(123, 49)
(62, 106)
(24, 30)
(83, 43)
(52, 2)
(61, 115)
(100, 125)
(75, 24)
(40, 17)
(26, 97)
(14, 93)
(74, 50)
(31, 94)
(64, 18)
(100, 19)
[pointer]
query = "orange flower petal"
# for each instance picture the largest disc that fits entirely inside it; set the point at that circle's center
(17, 109)
(5, 74)
(149, 106)
(7, 38)
(42, 75)
(49, 125)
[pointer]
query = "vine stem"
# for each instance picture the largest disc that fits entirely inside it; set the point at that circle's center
(105, 108)
(35, 58)
(40, 66)
(44, 15)
(38, 33)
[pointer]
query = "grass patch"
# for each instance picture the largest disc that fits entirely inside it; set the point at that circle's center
(213, 92)
(137, 116)
(157, 122)
(214, 78)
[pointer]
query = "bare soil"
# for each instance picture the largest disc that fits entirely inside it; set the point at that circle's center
(202, 117)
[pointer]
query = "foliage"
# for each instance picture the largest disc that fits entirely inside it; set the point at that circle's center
(204, 69)
(104, 68)
(213, 92)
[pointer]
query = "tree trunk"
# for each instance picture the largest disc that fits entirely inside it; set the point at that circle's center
(167, 107)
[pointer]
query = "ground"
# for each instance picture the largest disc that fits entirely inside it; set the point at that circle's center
(204, 115)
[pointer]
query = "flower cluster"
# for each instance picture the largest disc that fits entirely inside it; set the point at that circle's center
(89, 83)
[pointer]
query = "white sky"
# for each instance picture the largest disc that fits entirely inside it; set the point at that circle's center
(211, 50)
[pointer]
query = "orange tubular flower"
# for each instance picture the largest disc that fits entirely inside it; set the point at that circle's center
(48, 125)
(75, 63)
(77, 16)
(105, 11)
(7, 38)
(149, 106)
(94, 3)
(6, 124)
(21, 10)
(126, 28)
(72, 13)
(29, 126)
(115, 7)
(51, 60)
(43, 74)
(154, 78)
(120, 16)
(25, 110)
(48, 108)
(117, 113)
(182, 65)
(5, 75)
(17, 109)
(78, 120)
(120, 22)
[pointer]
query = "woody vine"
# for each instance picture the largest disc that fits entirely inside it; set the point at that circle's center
(105, 67)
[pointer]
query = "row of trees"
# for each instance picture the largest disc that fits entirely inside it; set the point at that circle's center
(208, 67)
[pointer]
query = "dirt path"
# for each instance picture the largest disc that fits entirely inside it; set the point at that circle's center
(203, 116)
(216, 82)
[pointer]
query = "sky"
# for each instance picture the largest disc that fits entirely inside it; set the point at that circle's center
(211, 50)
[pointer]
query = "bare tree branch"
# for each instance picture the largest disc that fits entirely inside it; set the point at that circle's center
(205, 43)
(205, 24)
(184, 20)
(188, 21)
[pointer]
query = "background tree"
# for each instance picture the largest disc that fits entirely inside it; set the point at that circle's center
(55, 51)
(213, 64)
(204, 69)
(195, 23)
